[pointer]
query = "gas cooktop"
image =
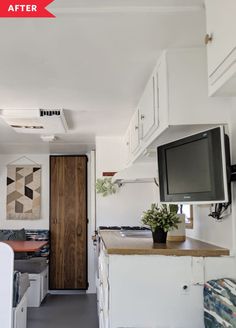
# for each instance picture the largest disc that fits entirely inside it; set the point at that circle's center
(130, 231)
(123, 228)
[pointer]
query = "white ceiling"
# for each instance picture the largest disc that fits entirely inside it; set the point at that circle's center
(92, 60)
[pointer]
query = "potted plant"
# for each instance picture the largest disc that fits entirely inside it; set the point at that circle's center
(161, 220)
(106, 187)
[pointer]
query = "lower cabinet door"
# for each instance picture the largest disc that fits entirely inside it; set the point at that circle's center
(20, 314)
(34, 291)
(103, 319)
(44, 284)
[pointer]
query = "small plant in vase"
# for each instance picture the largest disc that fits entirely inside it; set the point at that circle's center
(161, 220)
(106, 187)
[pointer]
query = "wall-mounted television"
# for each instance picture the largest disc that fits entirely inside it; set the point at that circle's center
(195, 169)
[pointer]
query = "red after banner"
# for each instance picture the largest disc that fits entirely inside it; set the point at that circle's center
(25, 8)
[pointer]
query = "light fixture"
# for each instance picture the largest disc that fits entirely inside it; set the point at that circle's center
(48, 138)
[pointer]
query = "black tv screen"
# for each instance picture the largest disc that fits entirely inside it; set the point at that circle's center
(193, 169)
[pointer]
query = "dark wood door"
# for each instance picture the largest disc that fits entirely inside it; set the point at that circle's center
(68, 222)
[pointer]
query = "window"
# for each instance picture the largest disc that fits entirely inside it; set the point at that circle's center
(188, 211)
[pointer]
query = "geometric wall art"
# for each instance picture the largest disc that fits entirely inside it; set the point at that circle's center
(23, 192)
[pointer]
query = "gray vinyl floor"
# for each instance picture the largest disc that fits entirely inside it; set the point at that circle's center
(65, 311)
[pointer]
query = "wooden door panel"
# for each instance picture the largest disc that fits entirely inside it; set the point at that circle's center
(68, 260)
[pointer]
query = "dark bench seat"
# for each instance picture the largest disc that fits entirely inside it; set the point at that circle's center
(31, 265)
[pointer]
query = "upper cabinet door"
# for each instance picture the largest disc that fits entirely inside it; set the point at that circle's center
(147, 108)
(134, 132)
(221, 46)
(221, 27)
(127, 146)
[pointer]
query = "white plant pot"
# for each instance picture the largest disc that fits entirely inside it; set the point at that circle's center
(179, 233)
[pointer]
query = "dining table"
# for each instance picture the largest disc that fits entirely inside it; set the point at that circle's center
(25, 246)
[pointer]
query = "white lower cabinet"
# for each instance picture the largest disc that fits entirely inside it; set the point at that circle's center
(38, 288)
(20, 313)
(34, 290)
(43, 284)
(148, 291)
(103, 289)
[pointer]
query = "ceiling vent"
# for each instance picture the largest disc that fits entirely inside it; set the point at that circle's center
(36, 121)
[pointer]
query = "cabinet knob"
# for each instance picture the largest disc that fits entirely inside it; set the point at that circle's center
(136, 127)
(208, 38)
(127, 143)
(142, 117)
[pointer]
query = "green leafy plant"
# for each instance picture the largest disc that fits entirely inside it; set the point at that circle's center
(163, 217)
(174, 208)
(106, 187)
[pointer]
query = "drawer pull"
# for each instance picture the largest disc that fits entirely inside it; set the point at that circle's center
(22, 309)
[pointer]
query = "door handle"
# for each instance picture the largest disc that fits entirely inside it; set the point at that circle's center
(79, 230)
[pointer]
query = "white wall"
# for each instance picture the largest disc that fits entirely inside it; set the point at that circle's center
(43, 222)
(209, 230)
(221, 233)
(233, 161)
(126, 206)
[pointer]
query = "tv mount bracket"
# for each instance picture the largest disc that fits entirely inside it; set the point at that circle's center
(233, 172)
(220, 208)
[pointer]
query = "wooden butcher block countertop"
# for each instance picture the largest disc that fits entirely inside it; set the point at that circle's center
(116, 244)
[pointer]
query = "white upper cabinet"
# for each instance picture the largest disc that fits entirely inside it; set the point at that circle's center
(175, 102)
(221, 46)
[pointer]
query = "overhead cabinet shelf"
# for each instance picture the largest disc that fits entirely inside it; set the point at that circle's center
(174, 103)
